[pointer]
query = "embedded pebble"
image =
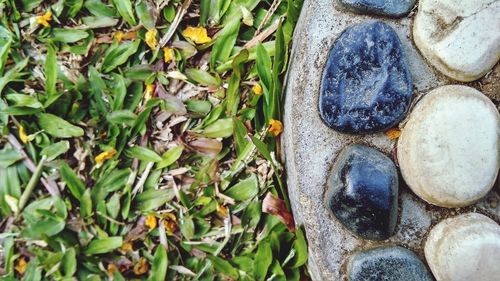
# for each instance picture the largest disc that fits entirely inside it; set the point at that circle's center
(387, 264)
(366, 86)
(460, 38)
(448, 151)
(390, 8)
(466, 247)
(362, 192)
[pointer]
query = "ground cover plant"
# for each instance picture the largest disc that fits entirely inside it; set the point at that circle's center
(140, 140)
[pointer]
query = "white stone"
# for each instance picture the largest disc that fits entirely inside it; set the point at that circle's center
(460, 38)
(448, 151)
(464, 248)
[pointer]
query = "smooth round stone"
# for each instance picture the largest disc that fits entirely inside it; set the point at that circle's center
(463, 248)
(366, 86)
(390, 8)
(363, 192)
(460, 38)
(387, 264)
(448, 151)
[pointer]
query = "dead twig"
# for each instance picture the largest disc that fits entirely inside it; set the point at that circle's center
(181, 11)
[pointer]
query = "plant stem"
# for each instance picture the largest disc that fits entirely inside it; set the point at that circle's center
(31, 184)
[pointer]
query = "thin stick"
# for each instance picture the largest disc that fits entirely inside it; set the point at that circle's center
(263, 35)
(31, 184)
(143, 178)
(49, 184)
(180, 13)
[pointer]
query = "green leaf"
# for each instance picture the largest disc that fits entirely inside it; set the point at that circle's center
(224, 267)
(9, 156)
(263, 259)
(57, 126)
(99, 9)
(118, 117)
(143, 154)
(69, 262)
(152, 199)
(159, 266)
(264, 66)
(20, 100)
(86, 204)
(245, 189)
(117, 55)
(54, 150)
(221, 128)
(225, 41)
(300, 246)
(5, 41)
(99, 22)
(170, 156)
(147, 13)
(75, 185)
(68, 35)
(124, 8)
(14, 74)
(202, 77)
(102, 246)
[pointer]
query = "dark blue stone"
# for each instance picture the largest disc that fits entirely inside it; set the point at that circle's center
(387, 264)
(362, 192)
(390, 8)
(366, 86)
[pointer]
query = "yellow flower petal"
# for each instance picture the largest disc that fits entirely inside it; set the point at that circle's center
(22, 135)
(221, 211)
(257, 89)
(150, 221)
(170, 223)
(141, 266)
(21, 265)
(119, 36)
(393, 133)
(275, 127)
(196, 34)
(150, 38)
(150, 90)
(44, 19)
(127, 247)
(103, 156)
(168, 54)
(111, 269)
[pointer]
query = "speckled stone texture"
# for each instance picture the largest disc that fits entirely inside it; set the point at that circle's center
(390, 8)
(366, 84)
(387, 264)
(310, 146)
(363, 192)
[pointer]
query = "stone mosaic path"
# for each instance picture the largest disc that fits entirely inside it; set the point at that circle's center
(423, 206)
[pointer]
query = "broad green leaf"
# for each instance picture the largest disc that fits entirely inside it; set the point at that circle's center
(143, 154)
(9, 156)
(99, 21)
(225, 42)
(117, 55)
(124, 8)
(245, 189)
(57, 126)
(300, 246)
(86, 204)
(170, 156)
(54, 150)
(13, 74)
(68, 35)
(224, 267)
(99, 9)
(159, 266)
(69, 262)
(147, 13)
(20, 100)
(5, 41)
(74, 184)
(221, 128)
(202, 77)
(118, 117)
(263, 259)
(152, 199)
(102, 246)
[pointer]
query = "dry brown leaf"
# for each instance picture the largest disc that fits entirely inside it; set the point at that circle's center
(277, 207)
